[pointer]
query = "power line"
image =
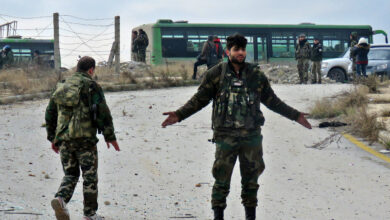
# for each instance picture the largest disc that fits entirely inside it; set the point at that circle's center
(102, 45)
(34, 29)
(90, 25)
(38, 17)
(86, 19)
(89, 34)
(84, 51)
(82, 40)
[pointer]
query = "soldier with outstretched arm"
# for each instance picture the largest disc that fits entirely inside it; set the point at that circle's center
(237, 88)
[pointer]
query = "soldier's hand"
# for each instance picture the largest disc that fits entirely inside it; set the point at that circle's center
(54, 147)
(172, 119)
(302, 120)
(113, 143)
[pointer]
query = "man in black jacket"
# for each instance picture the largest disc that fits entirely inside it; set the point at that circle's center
(316, 58)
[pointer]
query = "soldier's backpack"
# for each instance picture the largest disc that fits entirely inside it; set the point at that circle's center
(74, 114)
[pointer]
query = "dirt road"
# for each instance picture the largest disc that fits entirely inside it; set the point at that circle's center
(155, 175)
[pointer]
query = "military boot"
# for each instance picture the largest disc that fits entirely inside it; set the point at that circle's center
(218, 213)
(59, 206)
(250, 213)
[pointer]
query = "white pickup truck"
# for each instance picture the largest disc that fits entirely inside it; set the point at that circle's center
(337, 68)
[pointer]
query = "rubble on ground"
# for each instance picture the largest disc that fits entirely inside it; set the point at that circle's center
(286, 74)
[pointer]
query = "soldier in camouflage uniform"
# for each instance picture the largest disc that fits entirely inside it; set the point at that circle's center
(142, 42)
(76, 111)
(7, 57)
(134, 47)
(354, 41)
(302, 55)
(237, 88)
(316, 59)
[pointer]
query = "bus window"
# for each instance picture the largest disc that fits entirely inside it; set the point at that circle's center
(333, 46)
(283, 45)
(261, 48)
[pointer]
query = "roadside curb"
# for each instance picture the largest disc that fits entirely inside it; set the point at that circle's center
(106, 88)
(366, 148)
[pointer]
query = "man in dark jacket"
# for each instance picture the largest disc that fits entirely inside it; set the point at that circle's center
(203, 57)
(360, 51)
(316, 58)
(219, 49)
(302, 55)
(237, 88)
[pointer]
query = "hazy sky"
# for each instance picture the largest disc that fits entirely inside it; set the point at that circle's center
(133, 13)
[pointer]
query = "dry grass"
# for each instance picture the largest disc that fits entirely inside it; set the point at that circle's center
(340, 104)
(25, 81)
(22, 81)
(350, 107)
(363, 124)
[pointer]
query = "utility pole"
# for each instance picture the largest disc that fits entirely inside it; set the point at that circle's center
(117, 42)
(57, 56)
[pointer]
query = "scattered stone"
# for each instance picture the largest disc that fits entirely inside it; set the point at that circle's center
(107, 203)
(47, 176)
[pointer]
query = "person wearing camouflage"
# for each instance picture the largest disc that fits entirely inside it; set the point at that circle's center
(76, 111)
(134, 47)
(316, 59)
(237, 88)
(142, 42)
(302, 55)
(353, 42)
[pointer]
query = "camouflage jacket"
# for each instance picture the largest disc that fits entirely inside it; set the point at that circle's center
(302, 51)
(58, 119)
(8, 57)
(352, 46)
(210, 89)
(141, 42)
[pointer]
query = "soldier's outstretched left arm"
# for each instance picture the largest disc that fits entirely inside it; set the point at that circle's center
(269, 99)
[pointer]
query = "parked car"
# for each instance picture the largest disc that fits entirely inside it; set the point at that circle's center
(378, 60)
(337, 68)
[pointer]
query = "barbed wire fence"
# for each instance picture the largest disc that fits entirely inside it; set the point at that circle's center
(78, 36)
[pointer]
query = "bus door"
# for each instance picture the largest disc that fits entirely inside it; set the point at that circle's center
(260, 49)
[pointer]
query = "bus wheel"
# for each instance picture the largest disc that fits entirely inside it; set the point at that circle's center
(337, 74)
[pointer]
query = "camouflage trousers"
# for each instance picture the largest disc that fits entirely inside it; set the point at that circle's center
(316, 71)
(74, 157)
(303, 68)
(134, 56)
(250, 154)
(142, 56)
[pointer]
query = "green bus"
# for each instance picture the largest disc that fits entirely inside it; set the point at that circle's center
(171, 41)
(24, 48)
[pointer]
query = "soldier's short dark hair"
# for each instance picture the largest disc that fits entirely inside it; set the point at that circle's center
(236, 40)
(85, 63)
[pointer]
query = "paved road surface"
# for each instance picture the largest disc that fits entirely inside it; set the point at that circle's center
(155, 174)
